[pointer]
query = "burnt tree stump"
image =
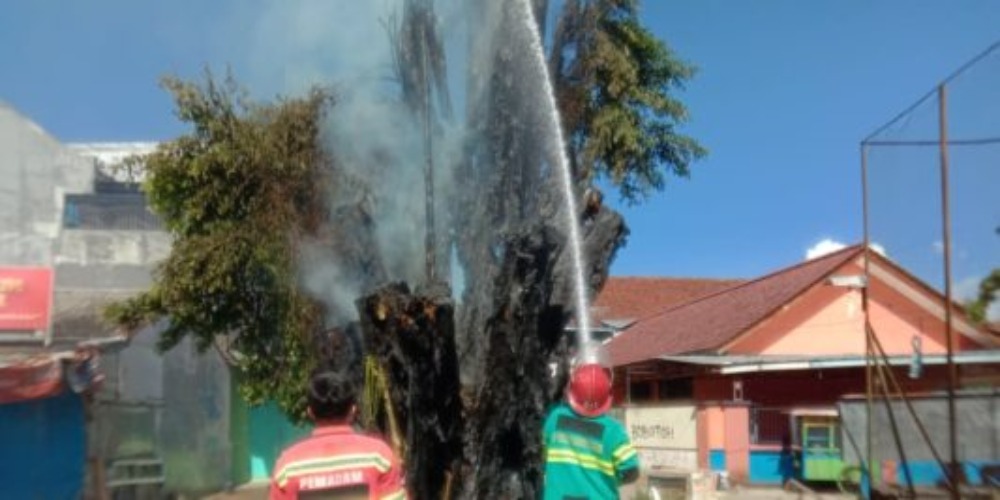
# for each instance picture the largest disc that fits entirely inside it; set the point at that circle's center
(413, 338)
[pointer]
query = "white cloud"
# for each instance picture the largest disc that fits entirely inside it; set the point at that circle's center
(827, 246)
(938, 247)
(824, 247)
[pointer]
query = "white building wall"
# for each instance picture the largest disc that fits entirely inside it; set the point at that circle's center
(35, 172)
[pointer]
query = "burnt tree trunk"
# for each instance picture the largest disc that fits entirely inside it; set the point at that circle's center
(521, 334)
(498, 454)
(413, 337)
(508, 224)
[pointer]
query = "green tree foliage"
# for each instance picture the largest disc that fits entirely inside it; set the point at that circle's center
(614, 83)
(238, 193)
(988, 290)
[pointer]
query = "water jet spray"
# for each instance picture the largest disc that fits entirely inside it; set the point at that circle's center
(562, 161)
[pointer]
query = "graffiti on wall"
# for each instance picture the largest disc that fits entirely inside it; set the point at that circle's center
(673, 427)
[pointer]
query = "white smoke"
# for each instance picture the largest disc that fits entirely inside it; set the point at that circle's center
(323, 278)
(377, 147)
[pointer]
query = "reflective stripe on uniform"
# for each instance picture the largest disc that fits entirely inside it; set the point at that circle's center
(623, 453)
(581, 459)
(321, 465)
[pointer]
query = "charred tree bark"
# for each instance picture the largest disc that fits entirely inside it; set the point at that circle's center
(525, 338)
(413, 338)
(498, 453)
(505, 422)
(509, 232)
(509, 189)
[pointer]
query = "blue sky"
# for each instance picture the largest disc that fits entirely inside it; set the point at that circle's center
(786, 90)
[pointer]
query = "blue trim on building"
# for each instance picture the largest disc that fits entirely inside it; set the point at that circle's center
(765, 467)
(771, 467)
(929, 473)
(717, 460)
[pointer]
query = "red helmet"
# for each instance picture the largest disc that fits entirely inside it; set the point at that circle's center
(590, 390)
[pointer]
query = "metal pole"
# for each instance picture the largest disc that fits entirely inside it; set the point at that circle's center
(864, 307)
(949, 335)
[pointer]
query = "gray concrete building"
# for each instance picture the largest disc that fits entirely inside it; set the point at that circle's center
(72, 209)
(36, 171)
(68, 207)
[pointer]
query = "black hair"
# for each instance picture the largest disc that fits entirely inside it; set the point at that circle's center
(331, 394)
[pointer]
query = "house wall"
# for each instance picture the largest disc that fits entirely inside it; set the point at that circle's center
(36, 171)
(830, 321)
(258, 435)
(92, 248)
(736, 425)
(808, 387)
(824, 321)
(896, 319)
(195, 428)
(722, 446)
(665, 434)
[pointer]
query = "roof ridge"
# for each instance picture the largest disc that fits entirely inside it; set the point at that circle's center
(676, 278)
(842, 253)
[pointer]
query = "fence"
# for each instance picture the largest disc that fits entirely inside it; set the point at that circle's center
(931, 205)
(978, 415)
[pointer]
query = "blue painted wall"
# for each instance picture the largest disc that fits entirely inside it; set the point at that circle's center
(928, 473)
(771, 467)
(717, 460)
(43, 448)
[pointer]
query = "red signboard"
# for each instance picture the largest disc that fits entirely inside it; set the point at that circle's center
(25, 299)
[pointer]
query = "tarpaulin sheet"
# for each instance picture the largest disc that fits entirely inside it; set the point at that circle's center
(44, 448)
(31, 378)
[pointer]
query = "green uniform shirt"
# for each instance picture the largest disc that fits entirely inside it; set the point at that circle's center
(585, 458)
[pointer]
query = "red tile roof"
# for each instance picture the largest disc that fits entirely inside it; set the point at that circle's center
(627, 299)
(709, 322)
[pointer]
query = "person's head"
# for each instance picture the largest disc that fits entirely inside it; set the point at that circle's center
(589, 391)
(331, 396)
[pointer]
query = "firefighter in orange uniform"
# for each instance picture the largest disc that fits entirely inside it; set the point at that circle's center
(336, 462)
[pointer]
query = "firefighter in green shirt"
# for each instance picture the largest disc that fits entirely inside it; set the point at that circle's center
(588, 454)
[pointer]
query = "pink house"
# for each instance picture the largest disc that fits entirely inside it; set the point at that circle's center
(750, 354)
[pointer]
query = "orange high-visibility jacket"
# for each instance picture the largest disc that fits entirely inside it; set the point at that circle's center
(337, 460)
